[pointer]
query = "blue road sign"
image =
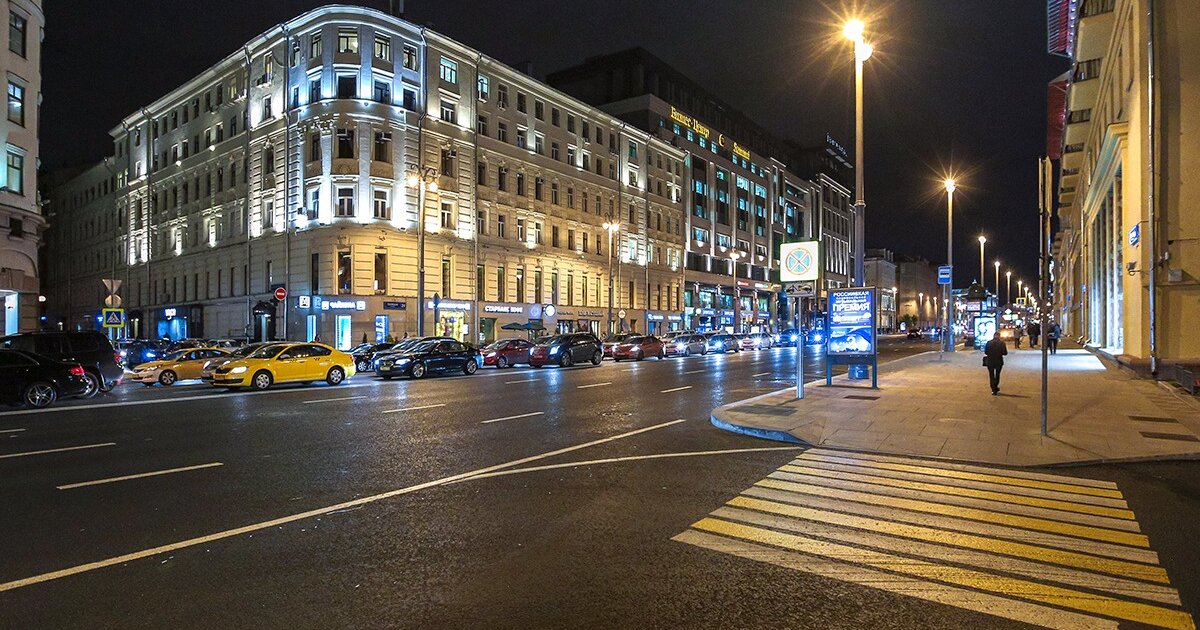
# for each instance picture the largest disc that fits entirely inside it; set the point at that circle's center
(944, 274)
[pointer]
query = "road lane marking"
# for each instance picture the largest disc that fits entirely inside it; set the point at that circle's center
(229, 533)
(138, 476)
(676, 389)
(11, 430)
(524, 380)
(593, 385)
(760, 374)
(57, 450)
(1079, 481)
(325, 400)
(215, 395)
(523, 415)
(628, 458)
(695, 371)
(414, 408)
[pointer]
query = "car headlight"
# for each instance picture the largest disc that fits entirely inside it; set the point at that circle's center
(491, 354)
(793, 337)
(402, 361)
(238, 370)
(554, 350)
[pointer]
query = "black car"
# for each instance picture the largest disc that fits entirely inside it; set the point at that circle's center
(37, 381)
(90, 349)
(430, 357)
(567, 350)
(400, 348)
(364, 354)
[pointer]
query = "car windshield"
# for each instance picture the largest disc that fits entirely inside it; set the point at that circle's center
(635, 339)
(175, 356)
(550, 341)
(615, 338)
(266, 352)
(496, 345)
(423, 346)
(246, 351)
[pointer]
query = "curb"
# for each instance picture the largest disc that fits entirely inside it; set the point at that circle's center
(765, 434)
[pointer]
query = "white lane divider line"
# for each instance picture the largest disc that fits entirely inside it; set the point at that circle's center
(415, 408)
(594, 385)
(11, 430)
(325, 400)
(211, 396)
(523, 415)
(695, 371)
(138, 476)
(676, 389)
(760, 374)
(524, 380)
(322, 511)
(57, 450)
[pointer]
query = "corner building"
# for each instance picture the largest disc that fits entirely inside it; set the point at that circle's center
(318, 156)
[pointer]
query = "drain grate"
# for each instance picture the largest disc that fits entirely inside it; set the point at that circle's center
(1152, 419)
(766, 410)
(1170, 436)
(861, 397)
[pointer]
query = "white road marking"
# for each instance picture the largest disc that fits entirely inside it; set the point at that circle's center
(11, 430)
(134, 403)
(414, 408)
(524, 415)
(676, 389)
(524, 380)
(138, 476)
(57, 450)
(593, 385)
(229, 533)
(325, 400)
(760, 374)
(695, 371)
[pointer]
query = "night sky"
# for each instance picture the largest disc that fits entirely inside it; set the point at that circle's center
(954, 85)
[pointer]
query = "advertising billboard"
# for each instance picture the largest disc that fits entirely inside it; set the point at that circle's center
(851, 321)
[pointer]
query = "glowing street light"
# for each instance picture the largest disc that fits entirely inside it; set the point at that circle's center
(854, 30)
(611, 228)
(1007, 286)
(949, 331)
(982, 282)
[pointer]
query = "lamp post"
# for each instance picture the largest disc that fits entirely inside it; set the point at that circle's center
(734, 255)
(982, 280)
(611, 228)
(1007, 286)
(921, 310)
(949, 330)
(996, 264)
(423, 179)
(853, 31)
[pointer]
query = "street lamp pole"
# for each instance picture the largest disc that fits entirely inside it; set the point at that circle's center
(982, 280)
(853, 31)
(734, 255)
(422, 180)
(948, 332)
(1007, 286)
(610, 228)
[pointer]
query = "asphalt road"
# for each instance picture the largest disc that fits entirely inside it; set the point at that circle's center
(515, 498)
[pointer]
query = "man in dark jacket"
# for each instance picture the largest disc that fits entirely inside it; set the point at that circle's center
(993, 357)
(1035, 331)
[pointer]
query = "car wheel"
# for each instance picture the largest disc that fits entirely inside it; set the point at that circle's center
(565, 361)
(418, 370)
(363, 366)
(501, 363)
(262, 380)
(93, 385)
(597, 358)
(616, 359)
(687, 352)
(639, 356)
(469, 367)
(662, 354)
(106, 387)
(167, 378)
(39, 395)
(336, 376)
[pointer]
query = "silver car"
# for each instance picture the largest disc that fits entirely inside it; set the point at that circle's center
(723, 342)
(686, 345)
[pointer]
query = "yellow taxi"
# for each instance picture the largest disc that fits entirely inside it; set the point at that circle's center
(286, 363)
(177, 366)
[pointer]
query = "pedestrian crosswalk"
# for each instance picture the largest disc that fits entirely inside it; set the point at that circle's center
(1043, 549)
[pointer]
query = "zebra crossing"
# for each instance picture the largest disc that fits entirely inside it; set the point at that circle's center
(1043, 549)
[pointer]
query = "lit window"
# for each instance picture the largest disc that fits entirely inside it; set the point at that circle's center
(314, 45)
(16, 104)
(484, 87)
(383, 47)
(382, 205)
(448, 112)
(447, 216)
(16, 173)
(449, 71)
(347, 40)
(410, 57)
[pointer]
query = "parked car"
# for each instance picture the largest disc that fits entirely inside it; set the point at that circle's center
(687, 345)
(504, 353)
(211, 365)
(913, 333)
(757, 341)
(567, 350)
(286, 363)
(723, 342)
(402, 347)
(430, 357)
(37, 381)
(90, 349)
(611, 342)
(181, 365)
(787, 338)
(638, 347)
(137, 351)
(364, 355)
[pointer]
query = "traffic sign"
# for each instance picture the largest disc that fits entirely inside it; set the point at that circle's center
(621, 313)
(945, 274)
(801, 261)
(280, 294)
(800, 289)
(113, 317)
(112, 301)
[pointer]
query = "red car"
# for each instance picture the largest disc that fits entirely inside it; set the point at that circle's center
(638, 347)
(504, 353)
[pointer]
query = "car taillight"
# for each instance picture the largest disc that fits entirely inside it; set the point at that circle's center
(75, 370)
(117, 357)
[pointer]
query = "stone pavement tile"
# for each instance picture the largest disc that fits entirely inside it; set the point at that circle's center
(913, 444)
(855, 439)
(976, 450)
(960, 431)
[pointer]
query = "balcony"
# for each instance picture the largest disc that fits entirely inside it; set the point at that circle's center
(1085, 86)
(1094, 29)
(1077, 126)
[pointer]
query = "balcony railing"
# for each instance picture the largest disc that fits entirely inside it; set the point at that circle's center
(1096, 7)
(1079, 116)
(1073, 148)
(1085, 70)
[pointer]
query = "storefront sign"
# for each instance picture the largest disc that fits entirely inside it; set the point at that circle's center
(654, 317)
(741, 151)
(1135, 235)
(395, 306)
(851, 321)
(674, 318)
(169, 312)
(706, 312)
(448, 305)
(572, 312)
(343, 305)
(303, 301)
(503, 308)
(690, 123)
(381, 328)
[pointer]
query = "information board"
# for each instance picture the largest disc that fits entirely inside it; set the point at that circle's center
(851, 321)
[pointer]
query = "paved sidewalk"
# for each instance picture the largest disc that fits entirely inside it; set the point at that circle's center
(935, 405)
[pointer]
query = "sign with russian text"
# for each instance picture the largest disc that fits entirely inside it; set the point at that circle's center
(851, 321)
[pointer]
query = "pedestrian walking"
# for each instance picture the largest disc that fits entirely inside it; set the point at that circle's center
(993, 359)
(1052, 336)
(1035, 331)
(1018, 332)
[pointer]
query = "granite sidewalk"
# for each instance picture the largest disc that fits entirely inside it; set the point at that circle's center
(934, 405)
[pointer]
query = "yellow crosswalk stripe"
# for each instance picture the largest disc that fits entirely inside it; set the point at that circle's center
(1002, 480)
(1022, 474)
(970, 578)
(975, 476)
(976, 512)
(968, 492)
(959, 539)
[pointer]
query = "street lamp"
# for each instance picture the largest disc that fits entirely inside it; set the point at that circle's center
(949, 331)
(1007, 286)
(734, 255)
(853, 31)
(920, 309)
(423, 179)
(982, 282)
(611, 228)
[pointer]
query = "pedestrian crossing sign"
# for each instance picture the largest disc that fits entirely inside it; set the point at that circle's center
(114, 317)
